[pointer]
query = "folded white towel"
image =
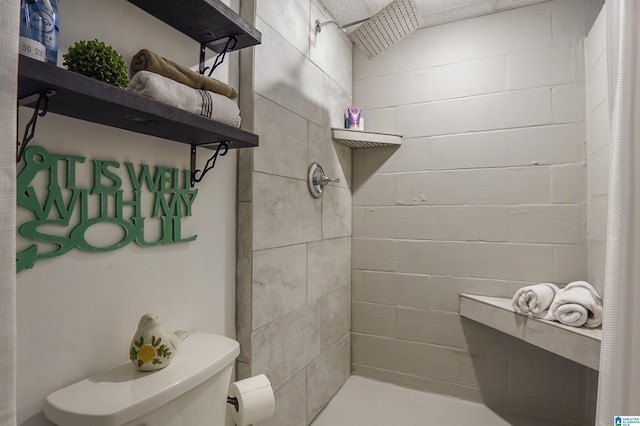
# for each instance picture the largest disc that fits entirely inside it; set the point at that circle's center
(535, 300)
(202, 102)
(578, 304)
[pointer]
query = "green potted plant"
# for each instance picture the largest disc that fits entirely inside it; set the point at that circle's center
(97, 60)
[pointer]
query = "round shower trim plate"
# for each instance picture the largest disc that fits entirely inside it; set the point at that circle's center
(315, 186)
(317, 180)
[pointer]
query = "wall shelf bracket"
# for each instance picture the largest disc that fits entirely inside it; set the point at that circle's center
(222, 150)
(41, 108)
(230, 45)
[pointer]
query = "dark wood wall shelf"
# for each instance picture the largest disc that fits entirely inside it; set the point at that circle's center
(209, 22)
(87, 99)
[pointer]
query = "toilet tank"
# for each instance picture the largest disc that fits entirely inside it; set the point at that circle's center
(192, 390)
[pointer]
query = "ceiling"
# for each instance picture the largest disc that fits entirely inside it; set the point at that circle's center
(432, 12)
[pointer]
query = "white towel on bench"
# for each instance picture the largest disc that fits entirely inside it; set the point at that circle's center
(202, 102)
(578, 304)
(535, 300)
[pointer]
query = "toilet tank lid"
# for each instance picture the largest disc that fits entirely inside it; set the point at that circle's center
(123, 393)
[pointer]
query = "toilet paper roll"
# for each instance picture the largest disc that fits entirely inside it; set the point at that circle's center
(255, 400)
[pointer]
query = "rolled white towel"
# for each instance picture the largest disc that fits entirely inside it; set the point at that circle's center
(578, 304)
(202, 102)
(535, 300)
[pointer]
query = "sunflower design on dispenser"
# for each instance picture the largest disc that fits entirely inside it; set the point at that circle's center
(151, 347)
(142, 353)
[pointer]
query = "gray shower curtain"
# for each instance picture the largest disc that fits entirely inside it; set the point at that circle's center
(9, 25)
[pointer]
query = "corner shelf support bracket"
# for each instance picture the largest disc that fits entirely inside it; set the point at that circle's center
(41, 108)
(229, 46)
(222, 150)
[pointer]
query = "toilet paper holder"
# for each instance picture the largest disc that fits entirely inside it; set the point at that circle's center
(233, 401)
(253, 400)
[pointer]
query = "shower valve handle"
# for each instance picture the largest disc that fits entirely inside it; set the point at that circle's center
(324, 179)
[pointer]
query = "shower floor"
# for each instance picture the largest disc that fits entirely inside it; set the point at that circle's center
(366, 402)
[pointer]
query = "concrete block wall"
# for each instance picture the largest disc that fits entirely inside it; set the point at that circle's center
(486, 194)
(294, 251)
(597, 149)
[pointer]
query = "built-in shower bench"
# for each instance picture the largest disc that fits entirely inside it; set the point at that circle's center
(578, 344)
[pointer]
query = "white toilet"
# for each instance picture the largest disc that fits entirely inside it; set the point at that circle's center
(191, 391)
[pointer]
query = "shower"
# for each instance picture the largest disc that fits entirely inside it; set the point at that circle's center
(393, 23)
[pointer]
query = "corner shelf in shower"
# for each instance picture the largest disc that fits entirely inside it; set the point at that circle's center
(361, 139)
(579, 344)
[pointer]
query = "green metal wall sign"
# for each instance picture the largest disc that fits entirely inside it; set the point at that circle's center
(64, 213)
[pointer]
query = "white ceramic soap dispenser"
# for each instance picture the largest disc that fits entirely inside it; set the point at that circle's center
(152, 348)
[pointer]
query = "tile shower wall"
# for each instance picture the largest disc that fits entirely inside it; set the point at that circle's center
(294, 251)
(597, 149)
(486, 194)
